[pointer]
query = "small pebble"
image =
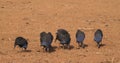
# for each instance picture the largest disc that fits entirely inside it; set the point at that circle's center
(27, 23)
(2, 39)
(2, 7)
(106, 25)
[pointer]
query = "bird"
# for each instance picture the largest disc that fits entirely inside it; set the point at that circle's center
(63, 36)
(46, 41)
(98, 35)
(21, 42)
(80, 36)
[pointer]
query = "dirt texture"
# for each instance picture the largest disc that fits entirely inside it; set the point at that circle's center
(27, 18)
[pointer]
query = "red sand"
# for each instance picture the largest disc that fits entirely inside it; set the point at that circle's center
(27, 18)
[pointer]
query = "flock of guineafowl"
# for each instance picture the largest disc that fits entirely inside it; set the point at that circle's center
(62, 36)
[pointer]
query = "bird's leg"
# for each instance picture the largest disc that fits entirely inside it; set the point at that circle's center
(82, 45)
(43, 48)
(25, 48)
(78, 47)
(59, 46)
(68, 46)
(22, 49)
(98, 44)
(63, 46)
(47, 49)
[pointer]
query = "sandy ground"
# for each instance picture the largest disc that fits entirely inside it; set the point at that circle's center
(27, 18)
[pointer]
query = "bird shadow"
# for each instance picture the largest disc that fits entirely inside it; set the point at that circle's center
(70, 47)
(102, 45)
(26, 51)
(53, 49)
(85, 45)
